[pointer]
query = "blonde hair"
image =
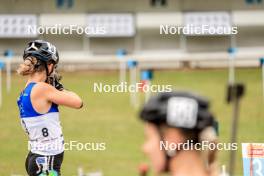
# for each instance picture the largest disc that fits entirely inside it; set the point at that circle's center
(29, 66)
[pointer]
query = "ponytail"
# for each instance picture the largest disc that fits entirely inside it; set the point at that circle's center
(30, 66)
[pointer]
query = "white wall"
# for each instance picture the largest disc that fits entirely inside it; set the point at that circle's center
(149, 38)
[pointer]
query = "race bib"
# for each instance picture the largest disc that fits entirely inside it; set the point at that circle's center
(253, 159)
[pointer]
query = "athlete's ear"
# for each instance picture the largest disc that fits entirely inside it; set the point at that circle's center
(51, 67)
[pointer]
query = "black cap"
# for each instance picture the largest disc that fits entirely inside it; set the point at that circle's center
(178, 109)
(42, 50)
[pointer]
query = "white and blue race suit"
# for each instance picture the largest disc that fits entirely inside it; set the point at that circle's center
(44, 130)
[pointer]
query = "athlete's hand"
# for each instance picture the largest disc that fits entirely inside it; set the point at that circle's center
(54, 80)
(58, 85)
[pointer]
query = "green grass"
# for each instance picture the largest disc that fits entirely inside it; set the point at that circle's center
(109, 118)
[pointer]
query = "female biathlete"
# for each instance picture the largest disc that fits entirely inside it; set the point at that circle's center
(177, 124)
(38, 106)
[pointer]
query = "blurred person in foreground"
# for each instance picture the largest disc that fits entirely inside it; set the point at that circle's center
(176, 123)
(38, 107)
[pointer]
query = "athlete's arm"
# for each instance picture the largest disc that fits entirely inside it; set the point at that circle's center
(65, 98)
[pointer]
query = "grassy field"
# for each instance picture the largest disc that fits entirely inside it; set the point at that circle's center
(109, 118)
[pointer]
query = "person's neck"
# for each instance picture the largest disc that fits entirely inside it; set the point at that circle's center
(188, 163)
(37, 77)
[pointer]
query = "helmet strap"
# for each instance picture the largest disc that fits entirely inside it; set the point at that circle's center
(167, 157)
(47, 71)
(168, 154)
